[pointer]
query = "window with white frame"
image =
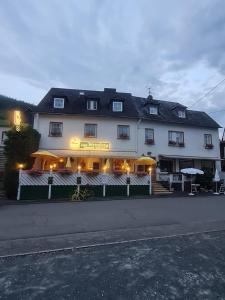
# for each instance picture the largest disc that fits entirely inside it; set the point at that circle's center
(208, 139)
(55, 129)
(3, 137)
(153, 110)
(176, 137)
(182, 113)
(117, 106)
(92, 104)
(123, 132)
(90, 130)
(58, 102)
(149, 136)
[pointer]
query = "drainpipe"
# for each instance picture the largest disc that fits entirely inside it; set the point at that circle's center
(138, 127)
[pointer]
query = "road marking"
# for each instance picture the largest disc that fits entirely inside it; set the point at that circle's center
(109, 243)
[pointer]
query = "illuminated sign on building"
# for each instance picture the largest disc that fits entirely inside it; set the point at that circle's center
(86, 145)
(17, 120)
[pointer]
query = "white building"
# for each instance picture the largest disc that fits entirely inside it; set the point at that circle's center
(129, 126)
(90, 132)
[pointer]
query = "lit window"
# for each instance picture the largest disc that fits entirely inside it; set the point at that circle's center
(153, 110)
(55, 129)
(149, 136)
(90, 130)
(58, 102)
(123, 132)
(92, 105)
(181, 114)
(176, 138)
(3, 137)
(117, 106)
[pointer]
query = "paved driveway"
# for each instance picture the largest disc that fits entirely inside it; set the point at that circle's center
(35, 220)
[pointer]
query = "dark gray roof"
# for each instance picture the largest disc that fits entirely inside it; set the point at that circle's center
(168, 114)
(75, 103)
(134, 107)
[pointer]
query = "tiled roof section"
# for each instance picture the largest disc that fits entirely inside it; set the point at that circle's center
(133, 107)
(76, 102)
(168, 114)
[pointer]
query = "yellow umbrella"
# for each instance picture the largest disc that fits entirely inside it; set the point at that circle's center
(147, 160)
(68, 163)
(40, 153)
(107, 164)
(125, 164)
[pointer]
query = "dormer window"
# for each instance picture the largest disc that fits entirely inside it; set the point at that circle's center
(59, 103)
(181, 113)
(117, 106)
(153, 110)
(92, 104)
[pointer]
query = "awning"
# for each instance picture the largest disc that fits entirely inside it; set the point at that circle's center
(188, 157)
(94, 153)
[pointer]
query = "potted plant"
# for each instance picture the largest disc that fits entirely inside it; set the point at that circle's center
(208, 146)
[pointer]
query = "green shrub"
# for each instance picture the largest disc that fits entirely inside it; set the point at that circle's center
(18, 148)
(205, 180)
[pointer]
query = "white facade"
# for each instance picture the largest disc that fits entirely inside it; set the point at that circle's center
(73, 127)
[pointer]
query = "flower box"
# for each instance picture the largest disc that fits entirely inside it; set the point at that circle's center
(181, 144)
(93, 172)
(35, 172)
(208, 146)
(123, 136)
(117, 172)
(141, 173)
(149, 141)
(65, 172)
(172, 143)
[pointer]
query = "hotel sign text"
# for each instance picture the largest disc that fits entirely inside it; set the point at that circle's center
(86, 145)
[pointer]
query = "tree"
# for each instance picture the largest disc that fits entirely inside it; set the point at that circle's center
(18, 148)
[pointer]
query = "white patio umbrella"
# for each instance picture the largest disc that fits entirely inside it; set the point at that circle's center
(216, 179)
(191, 171)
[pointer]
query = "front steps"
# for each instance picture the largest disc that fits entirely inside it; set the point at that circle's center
(159, 189)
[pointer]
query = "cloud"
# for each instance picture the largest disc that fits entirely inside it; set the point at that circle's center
(176, 47)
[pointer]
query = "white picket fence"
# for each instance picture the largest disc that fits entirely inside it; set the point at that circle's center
(86, 179)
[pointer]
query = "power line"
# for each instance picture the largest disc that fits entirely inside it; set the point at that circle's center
(207, 93)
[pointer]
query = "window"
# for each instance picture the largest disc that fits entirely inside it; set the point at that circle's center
(58, 102)
(149, 136)
(153, 110)
(90, 130)
(182, 114)
(55, 129)
(186, 163)
(3, 137)
(123, 132)
(176, 138)
(92, 105)
(117, 106)
(208, 141)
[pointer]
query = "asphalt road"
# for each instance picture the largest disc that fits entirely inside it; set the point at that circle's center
(35, 220)
(191, 267)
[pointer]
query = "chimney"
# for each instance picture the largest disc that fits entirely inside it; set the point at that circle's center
(109, 90)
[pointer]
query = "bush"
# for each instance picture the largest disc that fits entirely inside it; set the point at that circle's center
(205, 180)
(18, 149)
